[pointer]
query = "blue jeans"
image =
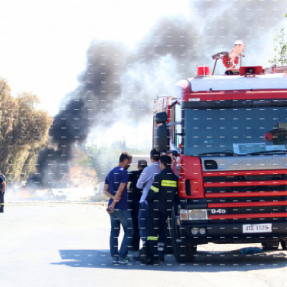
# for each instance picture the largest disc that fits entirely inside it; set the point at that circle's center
(120, 217)
(143, 212)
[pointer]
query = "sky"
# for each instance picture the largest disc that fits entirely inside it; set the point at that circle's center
(44, 44)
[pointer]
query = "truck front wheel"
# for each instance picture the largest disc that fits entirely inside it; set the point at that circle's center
(183, 249)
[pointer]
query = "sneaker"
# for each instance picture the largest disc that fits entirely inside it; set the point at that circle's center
(124, 260)
(115, 259)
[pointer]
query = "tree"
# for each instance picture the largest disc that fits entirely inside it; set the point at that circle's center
(280, 47)
(23, 131)
(103, 158)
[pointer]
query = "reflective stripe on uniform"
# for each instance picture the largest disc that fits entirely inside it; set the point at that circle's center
(170, 183)
(155, 189)
(160, 246)
(152, 238)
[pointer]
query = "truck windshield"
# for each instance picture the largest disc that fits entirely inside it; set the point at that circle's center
(231, 131)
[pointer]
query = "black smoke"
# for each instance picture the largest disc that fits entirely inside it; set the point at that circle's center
(119, 84)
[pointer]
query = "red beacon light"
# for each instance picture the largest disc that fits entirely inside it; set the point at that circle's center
(203, 71)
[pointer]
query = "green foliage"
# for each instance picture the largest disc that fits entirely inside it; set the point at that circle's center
(280, 47)
(104, 158)
(23, 131)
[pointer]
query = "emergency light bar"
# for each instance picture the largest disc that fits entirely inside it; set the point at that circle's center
(203, 71)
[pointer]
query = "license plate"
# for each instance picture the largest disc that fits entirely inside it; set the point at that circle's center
(257, 228)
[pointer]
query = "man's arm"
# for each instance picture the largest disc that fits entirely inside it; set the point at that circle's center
(107, 193)
(144, 178)
(131, 179)
(118, 195)
(3, 186)
(154, 189)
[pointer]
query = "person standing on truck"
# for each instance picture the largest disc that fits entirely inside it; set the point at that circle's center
(2, 191)
(144, 182)
(134, 195)
(160, 198)
(116, 189)
(230, 60)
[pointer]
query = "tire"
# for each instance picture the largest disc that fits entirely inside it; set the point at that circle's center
(284, 244)
(183, 249)
(270, 245)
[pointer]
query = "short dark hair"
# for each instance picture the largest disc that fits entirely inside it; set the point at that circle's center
(165, 160)
(125, 155)
(154, 154)
(142, 163)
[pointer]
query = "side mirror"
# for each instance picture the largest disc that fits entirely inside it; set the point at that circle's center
(161, 118)
(162, 138)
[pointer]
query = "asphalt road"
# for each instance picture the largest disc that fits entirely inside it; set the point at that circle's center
(66, 244)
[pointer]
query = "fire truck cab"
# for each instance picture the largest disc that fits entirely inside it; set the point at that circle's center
(228, 137)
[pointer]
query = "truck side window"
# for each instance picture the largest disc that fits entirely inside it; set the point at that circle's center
(178, 137)
(153, 131)
(175, 128)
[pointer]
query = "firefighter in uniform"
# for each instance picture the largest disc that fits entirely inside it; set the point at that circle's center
(2, 191)
(161, 197)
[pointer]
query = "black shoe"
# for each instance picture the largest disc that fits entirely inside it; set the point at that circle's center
(155, 262)
(136, 258)
(143, 257)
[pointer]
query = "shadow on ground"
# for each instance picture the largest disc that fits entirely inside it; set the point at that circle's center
(203, 262)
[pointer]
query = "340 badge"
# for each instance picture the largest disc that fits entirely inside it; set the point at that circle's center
(218, 211)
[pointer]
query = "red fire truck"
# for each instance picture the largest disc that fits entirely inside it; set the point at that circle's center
(228, 137)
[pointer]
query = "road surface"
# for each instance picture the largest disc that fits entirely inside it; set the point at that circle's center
(66, 244)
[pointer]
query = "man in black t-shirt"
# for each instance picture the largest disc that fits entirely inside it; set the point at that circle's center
(134, 195)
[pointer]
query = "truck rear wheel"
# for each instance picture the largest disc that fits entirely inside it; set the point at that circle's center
(183, 249)
(270, 245)
(284, 244)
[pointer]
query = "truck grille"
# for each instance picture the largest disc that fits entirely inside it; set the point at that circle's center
(246, 195)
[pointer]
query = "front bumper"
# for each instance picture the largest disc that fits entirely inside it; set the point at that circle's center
(230, 232)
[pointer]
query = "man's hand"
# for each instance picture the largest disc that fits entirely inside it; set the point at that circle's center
(111, 207)
(110, 210)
